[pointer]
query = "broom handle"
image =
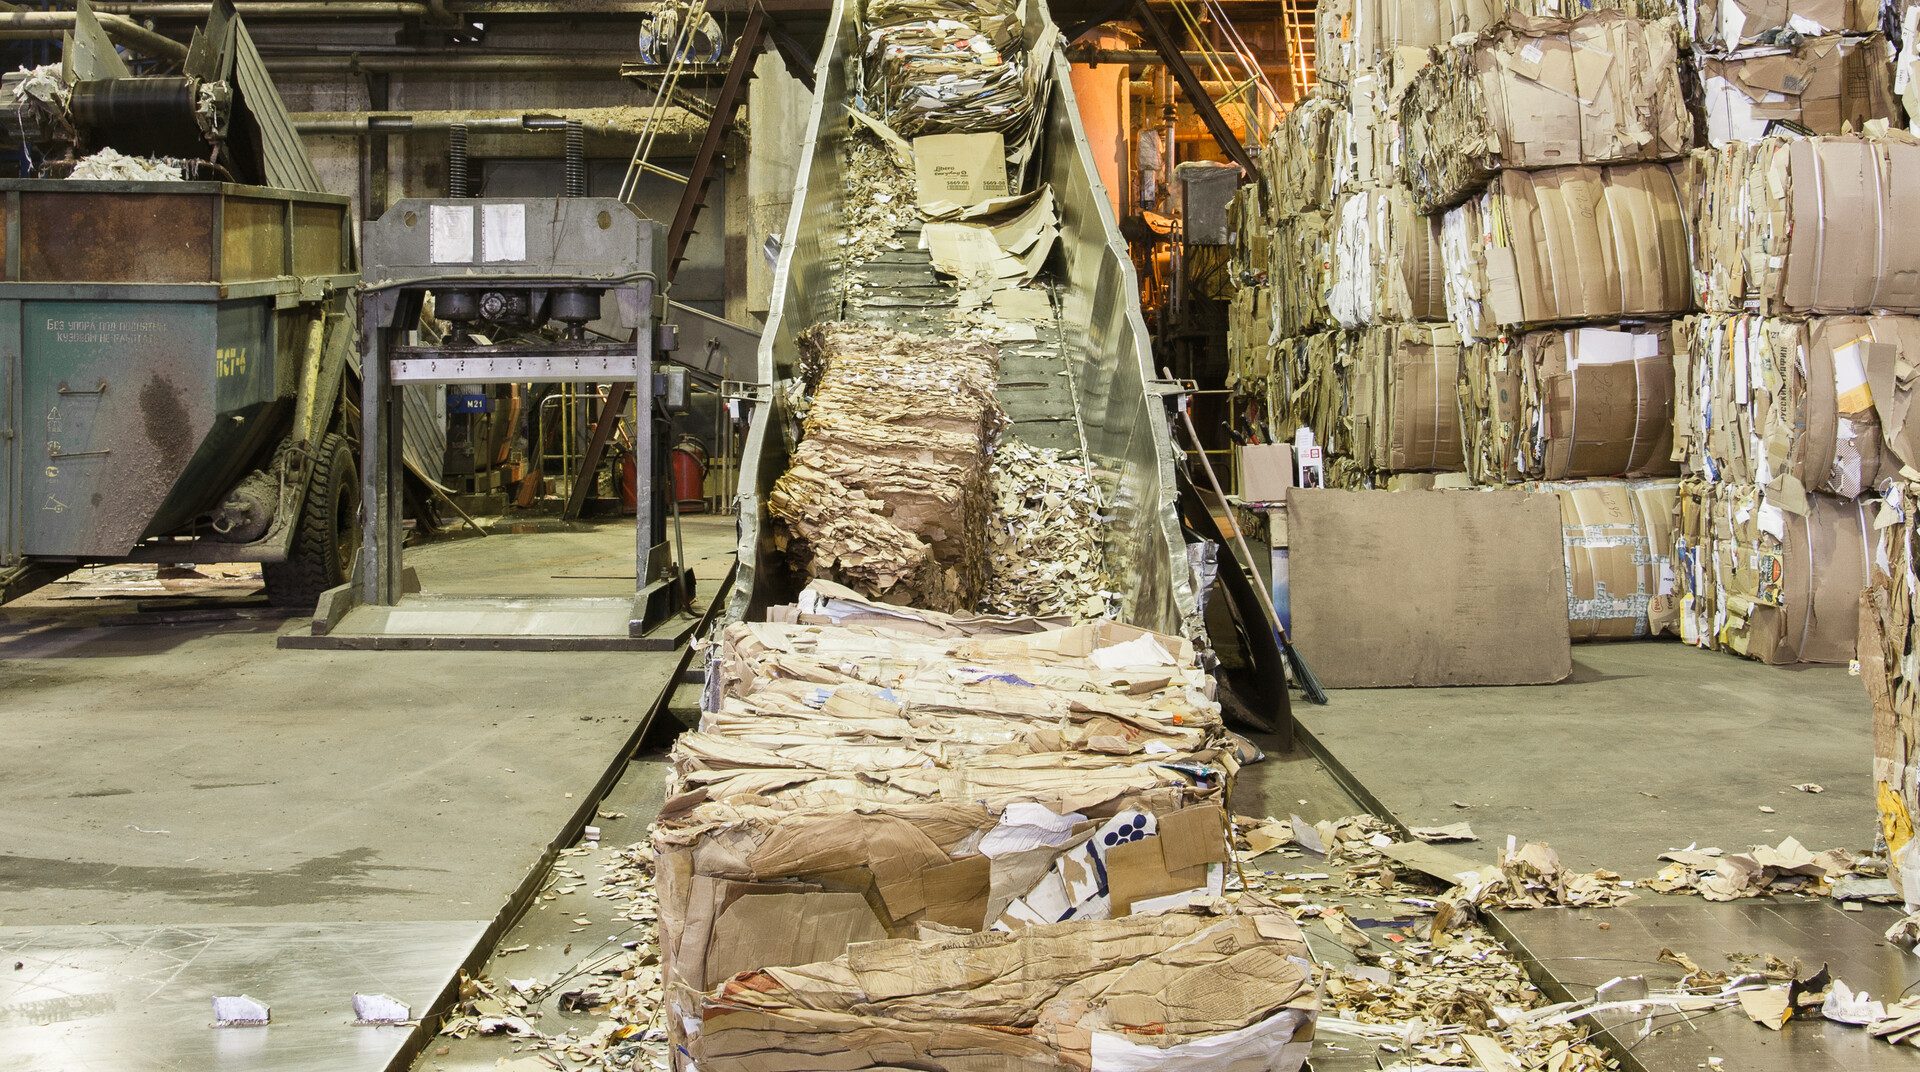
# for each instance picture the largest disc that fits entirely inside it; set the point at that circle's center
(1233, 526)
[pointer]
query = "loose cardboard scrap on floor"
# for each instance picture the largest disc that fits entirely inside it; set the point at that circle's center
(1429, 588)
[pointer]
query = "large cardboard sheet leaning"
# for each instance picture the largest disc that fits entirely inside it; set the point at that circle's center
(1398, 588)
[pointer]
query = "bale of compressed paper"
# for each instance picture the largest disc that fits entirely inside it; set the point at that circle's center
(1565, 245)
(1212, 988)
(1302, 151)
(1356, 37)
(1728, 24)
(1385, 264)
(1306, 388)
(1800, 405)
(1601, 89)
(862, 769)
(1570, 404)
(1825, 85)
(1890, 669)
(1300, 272)
(1403, 404)
(1618, 536)
(933, 67)
(1774, 584)
(887, 490)
(1808, 225)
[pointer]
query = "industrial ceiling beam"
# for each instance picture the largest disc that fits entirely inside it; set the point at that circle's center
(1197, 96)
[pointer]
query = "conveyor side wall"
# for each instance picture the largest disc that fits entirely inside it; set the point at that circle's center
(1125, 422)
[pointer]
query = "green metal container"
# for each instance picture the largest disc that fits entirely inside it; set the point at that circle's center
(161, 343)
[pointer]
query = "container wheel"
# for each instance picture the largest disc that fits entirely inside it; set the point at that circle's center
(328, 538)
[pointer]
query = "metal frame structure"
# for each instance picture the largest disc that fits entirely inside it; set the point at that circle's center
(495, 252)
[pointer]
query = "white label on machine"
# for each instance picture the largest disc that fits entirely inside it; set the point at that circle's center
(450, 234)
(503, 232)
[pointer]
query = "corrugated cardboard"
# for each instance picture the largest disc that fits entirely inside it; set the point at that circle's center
(814, 809)
(1386, 263)
(1186, 990)
(1405, 401)
(1619, 542)
(1571, 404)
(1812, 225)
(1722, 24)
(1567, 244)
(1601, 89)
(1760, 581)
(1429, 587)
(1266, 472)
(1761, 398)
(963, 169)
(1823, 84)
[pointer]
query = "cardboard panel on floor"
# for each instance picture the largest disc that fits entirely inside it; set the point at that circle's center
(1429, 587)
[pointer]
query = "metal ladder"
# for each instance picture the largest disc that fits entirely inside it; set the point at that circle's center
(1297, 18)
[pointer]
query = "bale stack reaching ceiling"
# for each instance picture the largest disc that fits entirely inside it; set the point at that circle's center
(1578, 230)
(1794, 385)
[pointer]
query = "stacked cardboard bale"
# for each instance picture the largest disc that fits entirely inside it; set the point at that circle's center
(1618, 540)
(1545, 146)
(887, 490)
(1792, 401)
(1812, 66)
(1890, 668)
(867, 777)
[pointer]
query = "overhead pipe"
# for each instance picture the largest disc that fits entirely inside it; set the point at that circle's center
(122, 30)
(360, 63)
(434, 11)
(352, 124)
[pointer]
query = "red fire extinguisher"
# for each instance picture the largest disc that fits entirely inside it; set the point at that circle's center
(690, 474)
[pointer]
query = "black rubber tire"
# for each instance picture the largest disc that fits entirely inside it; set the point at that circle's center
(329, 534)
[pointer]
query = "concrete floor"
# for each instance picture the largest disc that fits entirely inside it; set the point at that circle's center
(1649, 745)
(193, 773)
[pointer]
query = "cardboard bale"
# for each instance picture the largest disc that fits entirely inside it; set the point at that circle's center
(1570, 404)
(862, 769)
(1891, 672)
(1725, 24)
(1353, 37)
(1362, 136)
(1605, 88)
(1429, 587)
(1768, 583)
(1823, 84)
(1301, 272)
(1301, 151)
(1566, 245)
(1906, 64)
(1405, 405)
(1814, 405)
(1810, 225)
(1385, 263)
(1189, 990)
(1618, 536)
(1306, 388)
(887, 490)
